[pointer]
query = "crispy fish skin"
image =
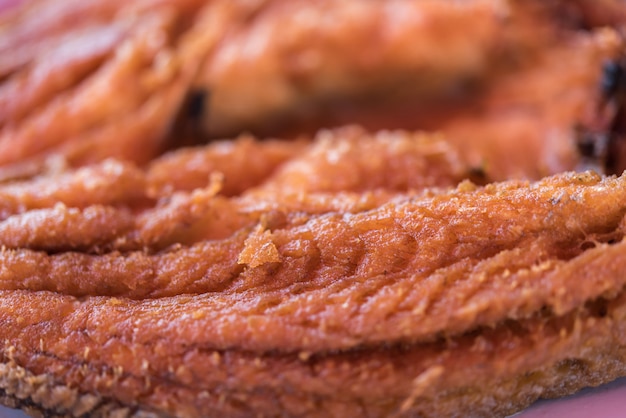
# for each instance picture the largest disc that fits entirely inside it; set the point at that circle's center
(290, 72)
(520, 124)
(91, 103)
(87, 51)
(337, 160)
(585, 347)
(212, 45)
(185, 196)
(330, 284)
(109, 183)
(524, 126)
(327, 278)
(246, 333)
(191, 168)
(323, 74)
(62, 228)
(309, 53)
(151, 67)
(350, 159)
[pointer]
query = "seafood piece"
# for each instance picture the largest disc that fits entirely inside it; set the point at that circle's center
(308, 56)
(185, 195)
(116, 91)
(526, 124)
(301, 319)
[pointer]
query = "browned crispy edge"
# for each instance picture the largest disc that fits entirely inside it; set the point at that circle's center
(40, 396)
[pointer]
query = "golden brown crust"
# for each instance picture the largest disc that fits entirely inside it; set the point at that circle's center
(305, 52)
(539, 357)
(149, 59)
(39, 396)
(360, 50)
(238, 337)
(352, 274)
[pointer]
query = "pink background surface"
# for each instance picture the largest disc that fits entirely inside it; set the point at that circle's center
(608, 401)
(6, 5)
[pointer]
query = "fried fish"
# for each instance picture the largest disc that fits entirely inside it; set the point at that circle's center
(370, 312)
(439, 256)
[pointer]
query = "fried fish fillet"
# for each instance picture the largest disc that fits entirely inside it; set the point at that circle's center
(186, 204)
(346, 274)
(316, 64)
(525, 126)
(365, 313)
(139, 51)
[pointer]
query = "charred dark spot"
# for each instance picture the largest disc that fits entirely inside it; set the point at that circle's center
(602, 143)
(586, 143)
(598, 308)
(187, 129)
(477, 175)
(616, 143)
(587, 245)
(612, 78)
(196, 103)
(589, 144)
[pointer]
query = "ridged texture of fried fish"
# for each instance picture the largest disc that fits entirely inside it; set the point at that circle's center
(430, 280)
